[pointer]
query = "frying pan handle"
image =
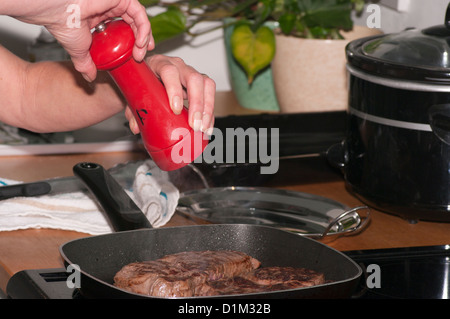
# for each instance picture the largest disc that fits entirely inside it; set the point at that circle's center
(120, 209)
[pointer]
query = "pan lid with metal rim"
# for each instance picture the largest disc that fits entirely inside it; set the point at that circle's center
(301, 213)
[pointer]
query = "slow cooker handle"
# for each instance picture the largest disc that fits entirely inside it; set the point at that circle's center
(336, 156)
(440, 30)
(447, 17)
(439, 117)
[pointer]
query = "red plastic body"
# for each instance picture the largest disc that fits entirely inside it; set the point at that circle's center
(167, 137)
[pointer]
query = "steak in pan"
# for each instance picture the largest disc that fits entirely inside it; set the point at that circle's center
(182, 274)
(210, 273)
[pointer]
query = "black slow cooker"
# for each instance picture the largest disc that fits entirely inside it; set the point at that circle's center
(396, 156)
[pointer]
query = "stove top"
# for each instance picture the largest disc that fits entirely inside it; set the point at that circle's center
(404, 273)
(398, 273)
(41, 284)
(416, 272)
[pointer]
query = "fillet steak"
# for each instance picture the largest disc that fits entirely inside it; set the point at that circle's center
(264, 279)
(182, 274)
(289, 276)
(210, 273)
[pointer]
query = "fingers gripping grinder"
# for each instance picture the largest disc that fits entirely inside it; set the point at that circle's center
(167, 137)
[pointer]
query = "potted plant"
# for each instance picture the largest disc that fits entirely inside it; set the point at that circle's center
(254, 44)
(309, 68)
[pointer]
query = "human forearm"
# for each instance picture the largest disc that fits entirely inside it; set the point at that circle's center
(70, 22)
(58, 98)
(52, 96)
(25, 10)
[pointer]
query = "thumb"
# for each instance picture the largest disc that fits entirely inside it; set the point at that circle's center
(77, 43)
(84, 64)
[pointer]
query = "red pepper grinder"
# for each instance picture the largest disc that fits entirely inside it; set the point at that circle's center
(167, 137)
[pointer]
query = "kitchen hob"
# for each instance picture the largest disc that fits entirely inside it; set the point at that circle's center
(404, 273)
(416, 272)
(396, 273)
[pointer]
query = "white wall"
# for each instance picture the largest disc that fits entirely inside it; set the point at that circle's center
(16, 36)
(419, 14)
(206, 52)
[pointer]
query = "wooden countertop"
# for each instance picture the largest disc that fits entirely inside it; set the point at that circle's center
(39, 248)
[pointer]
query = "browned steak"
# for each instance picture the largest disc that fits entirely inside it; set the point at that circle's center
(264, 279)
(182, 274)
(299, 277)
(229, 286)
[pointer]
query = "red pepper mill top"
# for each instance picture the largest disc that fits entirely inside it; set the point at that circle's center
(167, 137)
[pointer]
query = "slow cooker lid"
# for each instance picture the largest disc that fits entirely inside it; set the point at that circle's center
(420, 55)
(411, 48)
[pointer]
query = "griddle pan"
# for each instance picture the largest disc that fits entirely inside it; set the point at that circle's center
(100, 257)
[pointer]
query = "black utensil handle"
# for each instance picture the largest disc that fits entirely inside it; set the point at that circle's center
(25, 190)
(120, 209)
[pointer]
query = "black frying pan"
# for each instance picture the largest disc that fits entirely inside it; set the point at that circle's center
(100, 257)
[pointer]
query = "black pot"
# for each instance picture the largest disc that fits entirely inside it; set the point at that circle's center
(396, 156)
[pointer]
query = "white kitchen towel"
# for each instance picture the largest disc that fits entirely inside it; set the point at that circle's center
(152, 191)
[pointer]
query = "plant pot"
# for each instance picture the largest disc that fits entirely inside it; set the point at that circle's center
(309, 74)
(260, 94)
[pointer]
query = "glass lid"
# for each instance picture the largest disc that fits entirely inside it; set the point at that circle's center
(412, 55)
(415, 48)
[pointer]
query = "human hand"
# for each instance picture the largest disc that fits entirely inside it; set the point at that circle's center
(70, 23)
(183, 82)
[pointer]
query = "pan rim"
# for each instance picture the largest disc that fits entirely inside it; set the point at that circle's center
(355, 277)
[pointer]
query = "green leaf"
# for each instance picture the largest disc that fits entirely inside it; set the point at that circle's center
(263, 11)
(168, 24)
(287, 22)
(254, 51)
(358, 5)
(241, 6)
(327, 13)
(148, 3)
(324, 33)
